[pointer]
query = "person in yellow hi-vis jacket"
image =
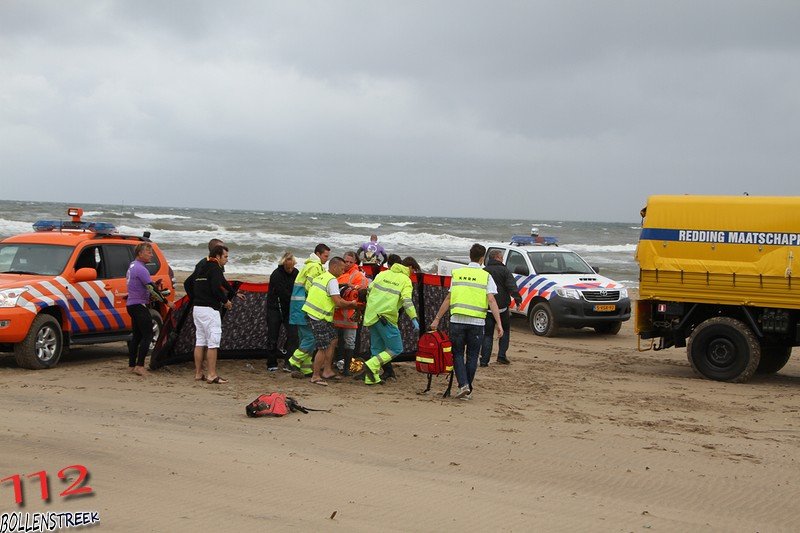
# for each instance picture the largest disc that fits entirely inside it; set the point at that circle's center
(391, 290)
(472, 292)
(323, 299)
(300, 361)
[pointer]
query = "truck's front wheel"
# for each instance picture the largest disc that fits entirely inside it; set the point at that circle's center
(773, 358)
(724, 349)
(542, 321)
(42, 347)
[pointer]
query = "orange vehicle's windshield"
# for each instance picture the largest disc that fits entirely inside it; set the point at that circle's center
(39, 259)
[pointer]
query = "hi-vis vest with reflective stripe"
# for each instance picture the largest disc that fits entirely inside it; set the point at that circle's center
(390, 290)
(311, 269)
(319, 304)
(468, 292)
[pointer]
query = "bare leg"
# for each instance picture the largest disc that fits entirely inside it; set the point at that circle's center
(327, 363)
(199, 354)
(211, 355)
(316, 373)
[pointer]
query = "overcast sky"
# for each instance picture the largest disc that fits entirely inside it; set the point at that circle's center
(546, 110)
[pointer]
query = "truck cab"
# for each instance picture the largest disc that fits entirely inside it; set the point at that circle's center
(559, 289)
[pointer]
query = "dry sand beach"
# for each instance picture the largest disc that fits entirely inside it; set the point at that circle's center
(580, 433)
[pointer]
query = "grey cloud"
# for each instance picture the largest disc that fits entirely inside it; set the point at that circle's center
(566, 110)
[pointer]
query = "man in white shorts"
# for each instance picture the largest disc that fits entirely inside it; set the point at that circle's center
(209, 298)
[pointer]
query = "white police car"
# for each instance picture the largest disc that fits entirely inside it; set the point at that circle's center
(558, 288)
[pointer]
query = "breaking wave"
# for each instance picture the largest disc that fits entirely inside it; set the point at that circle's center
(368, 225)
(157, 216)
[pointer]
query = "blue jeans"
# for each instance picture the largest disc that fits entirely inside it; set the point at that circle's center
(465, 336)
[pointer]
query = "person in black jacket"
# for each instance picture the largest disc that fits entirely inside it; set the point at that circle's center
(278, 298)
(210, 296)
(506, 289)
(188, 284)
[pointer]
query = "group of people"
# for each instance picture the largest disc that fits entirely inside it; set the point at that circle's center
(320, 310)
(326, 305)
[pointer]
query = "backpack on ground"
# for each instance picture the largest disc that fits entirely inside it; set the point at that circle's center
(268, 405)
(276, 404)
(435, 357)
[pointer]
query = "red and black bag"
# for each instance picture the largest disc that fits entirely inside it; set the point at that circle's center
(434, 353)
(276, 404)
(268, 405)
(435, 357)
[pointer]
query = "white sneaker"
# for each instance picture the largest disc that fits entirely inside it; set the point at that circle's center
(467, 396)
(461, 392)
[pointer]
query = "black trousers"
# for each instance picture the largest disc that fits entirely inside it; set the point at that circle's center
(142, 334)
(274, 321)
(488, 336)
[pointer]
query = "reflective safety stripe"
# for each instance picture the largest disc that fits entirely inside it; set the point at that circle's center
(425, 359)
(299, 298)
(470, 307)
(317, 309)
(323, 287)
(447, 349)
(467, 284)
(302, 362)
(385, 289)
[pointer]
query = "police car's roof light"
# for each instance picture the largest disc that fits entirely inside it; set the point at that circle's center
(522, 240)
(526, 240)
(104, 228)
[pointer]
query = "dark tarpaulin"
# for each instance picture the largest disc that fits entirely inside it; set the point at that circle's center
(244, 327)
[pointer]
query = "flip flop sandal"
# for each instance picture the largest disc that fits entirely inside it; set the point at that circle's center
(320, 382)
(334, 377)
(217, 381)
(201, 378)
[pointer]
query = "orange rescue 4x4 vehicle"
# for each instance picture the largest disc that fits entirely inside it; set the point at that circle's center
(64, 284)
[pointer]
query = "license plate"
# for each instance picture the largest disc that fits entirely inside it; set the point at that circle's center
(605, 307)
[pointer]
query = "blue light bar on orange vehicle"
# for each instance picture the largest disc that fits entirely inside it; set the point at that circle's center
(105, 228)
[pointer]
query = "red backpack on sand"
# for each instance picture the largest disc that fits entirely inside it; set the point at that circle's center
(275, 404)
(268, 405)
(435, 357)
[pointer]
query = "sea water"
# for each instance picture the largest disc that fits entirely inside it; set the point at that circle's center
(257, 239)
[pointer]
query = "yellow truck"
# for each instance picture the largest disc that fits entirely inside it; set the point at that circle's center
(716, 276)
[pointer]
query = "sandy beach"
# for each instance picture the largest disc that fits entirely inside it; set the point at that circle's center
(580, 433)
